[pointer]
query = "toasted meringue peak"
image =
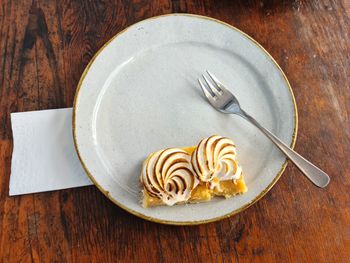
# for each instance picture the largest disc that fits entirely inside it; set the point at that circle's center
(215, 157)
(169, 176)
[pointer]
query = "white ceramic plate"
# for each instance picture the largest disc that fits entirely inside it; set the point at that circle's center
(139, 94)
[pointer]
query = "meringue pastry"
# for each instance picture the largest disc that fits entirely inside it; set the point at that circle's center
(193, 174)
(168, 177)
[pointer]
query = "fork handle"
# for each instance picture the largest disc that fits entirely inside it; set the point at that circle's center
(312, 172)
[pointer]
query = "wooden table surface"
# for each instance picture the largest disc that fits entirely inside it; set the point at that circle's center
(45, 46)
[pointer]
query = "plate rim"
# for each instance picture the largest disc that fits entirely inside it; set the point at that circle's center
(195, 222)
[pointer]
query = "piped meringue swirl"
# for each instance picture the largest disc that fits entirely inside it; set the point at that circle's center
(215, 157)
(169, 176)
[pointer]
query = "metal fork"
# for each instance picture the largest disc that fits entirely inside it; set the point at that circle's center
(224, 101)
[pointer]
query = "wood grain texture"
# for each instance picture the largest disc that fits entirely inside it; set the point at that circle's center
(44, 47)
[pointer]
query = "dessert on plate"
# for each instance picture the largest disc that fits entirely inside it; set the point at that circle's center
(193, 174)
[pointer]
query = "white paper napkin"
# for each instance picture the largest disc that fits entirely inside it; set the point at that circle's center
(44, 158)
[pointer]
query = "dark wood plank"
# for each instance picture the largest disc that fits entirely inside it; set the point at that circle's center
(44, 47)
